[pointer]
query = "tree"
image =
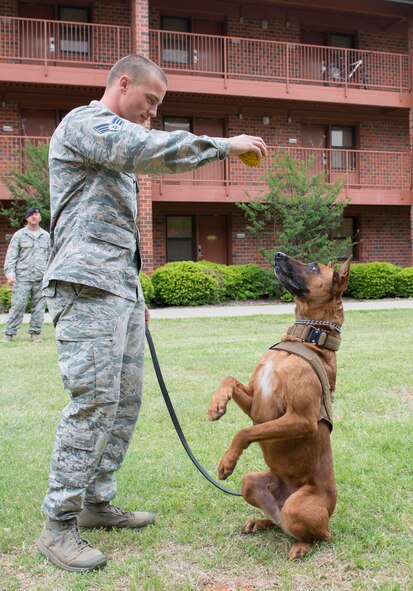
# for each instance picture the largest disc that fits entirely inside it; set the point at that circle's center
(30, 187)
(299, 214)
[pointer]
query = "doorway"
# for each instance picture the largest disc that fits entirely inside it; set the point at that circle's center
(335, 150)
(212, 239)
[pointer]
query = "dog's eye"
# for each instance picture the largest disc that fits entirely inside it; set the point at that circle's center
(313, 266)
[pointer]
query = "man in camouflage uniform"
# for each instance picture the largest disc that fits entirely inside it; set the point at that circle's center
(24, 268)
(95, 298)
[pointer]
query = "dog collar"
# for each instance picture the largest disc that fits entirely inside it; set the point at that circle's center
(336, 326)
(315, 336)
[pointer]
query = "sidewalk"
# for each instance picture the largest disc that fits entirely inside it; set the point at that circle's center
(252, 309)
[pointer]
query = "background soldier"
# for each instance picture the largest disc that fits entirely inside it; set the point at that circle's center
(95, 298)
(24, 268)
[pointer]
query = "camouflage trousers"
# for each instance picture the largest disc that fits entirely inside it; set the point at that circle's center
(21, 293)
(100, 341)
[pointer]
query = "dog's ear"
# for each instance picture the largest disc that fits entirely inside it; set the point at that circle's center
(343, 275)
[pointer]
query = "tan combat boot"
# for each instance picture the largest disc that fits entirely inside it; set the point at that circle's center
(108, 516)
(61, 543)
(35, 337)
(7, 338)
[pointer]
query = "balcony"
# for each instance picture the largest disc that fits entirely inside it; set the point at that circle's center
(271, 69)
(61, 52)
(34, 50)
(369, 177)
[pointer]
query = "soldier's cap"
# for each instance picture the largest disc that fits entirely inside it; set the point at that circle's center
(31, 211)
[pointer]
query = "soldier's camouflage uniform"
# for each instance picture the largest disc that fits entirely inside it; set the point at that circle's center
(93, 290)
(26, 260)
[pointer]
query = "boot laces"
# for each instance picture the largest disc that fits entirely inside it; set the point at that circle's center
(77, 538)
(118, 511)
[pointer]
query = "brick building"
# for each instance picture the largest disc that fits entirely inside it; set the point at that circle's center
(329, 79)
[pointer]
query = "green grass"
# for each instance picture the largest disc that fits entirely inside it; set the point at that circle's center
(196, 543)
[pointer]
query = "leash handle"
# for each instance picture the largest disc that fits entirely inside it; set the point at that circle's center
(175, 418)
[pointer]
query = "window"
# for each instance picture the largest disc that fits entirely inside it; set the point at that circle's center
(175, 46)
(339, 40)
(180, 238)
(343, 144)
(348, 230)
(177, 123)
(74, 39)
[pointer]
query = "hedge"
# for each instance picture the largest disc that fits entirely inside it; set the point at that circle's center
(193, 284)
(184, 284)
(373, 280)
(147, 288)
(404, 282)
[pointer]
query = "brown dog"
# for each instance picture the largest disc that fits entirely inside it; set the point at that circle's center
(285, 399)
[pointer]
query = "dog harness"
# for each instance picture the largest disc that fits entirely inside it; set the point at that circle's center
(326, 408)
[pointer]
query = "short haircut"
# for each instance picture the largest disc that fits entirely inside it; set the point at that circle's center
(137, 67)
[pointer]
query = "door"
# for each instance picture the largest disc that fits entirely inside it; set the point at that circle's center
(38, 122)
(212, 239)
(215, 171)
(314, 59)
(207, 51)
(36, 37)
(315, 136)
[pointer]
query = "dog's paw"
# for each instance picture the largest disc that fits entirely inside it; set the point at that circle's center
(225, 468)
(252, 526)
(299, 549)
(216, 410)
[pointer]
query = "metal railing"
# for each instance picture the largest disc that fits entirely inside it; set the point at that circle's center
(62, 42)
(289, 63)
(24, 40)
(12, 149)
(357, 169)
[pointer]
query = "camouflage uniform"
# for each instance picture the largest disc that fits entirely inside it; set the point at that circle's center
(93, 290)
(26, 260)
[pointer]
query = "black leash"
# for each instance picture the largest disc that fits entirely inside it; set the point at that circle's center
(175, 419)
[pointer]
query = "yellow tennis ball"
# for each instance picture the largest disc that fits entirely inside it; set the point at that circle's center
(249, 158)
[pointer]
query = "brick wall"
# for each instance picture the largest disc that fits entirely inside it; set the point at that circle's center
(253, 29)
(145, 222)
(5, 230)
(8, 8)
(384, 234)
(388, 41)
(381, 135)
(112, 13)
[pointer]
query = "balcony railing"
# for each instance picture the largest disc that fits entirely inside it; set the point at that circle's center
(272, 61)
(357, 169)
(24, 40)
(12, 152)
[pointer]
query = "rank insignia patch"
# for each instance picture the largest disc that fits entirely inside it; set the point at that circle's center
(115, 125)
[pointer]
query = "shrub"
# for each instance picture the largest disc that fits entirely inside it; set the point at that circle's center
(147, 287)
(274, 289)
(5, 297)
(244, 282)
(239, 282)
(184, 284)
(404, 282)
(373, 280)
(217, 271)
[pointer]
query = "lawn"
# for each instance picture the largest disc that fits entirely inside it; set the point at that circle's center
(196, 544)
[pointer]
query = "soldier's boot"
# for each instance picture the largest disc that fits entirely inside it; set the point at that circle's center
(35, 337)
(62, 544)
(108, 516)
(7, 338)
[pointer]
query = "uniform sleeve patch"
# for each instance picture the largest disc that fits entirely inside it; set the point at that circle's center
(115, 125)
